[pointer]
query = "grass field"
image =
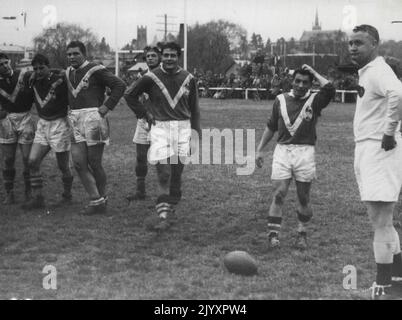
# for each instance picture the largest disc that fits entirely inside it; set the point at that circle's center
(115, 257)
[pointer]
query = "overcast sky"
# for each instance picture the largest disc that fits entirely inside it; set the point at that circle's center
(269, 18)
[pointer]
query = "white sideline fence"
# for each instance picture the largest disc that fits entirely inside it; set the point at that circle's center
(247, 90)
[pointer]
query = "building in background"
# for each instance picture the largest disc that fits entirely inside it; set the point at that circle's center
(319, 48)
(19, 56)
(142, 41)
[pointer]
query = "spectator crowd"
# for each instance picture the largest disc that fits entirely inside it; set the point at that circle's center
(272, 81)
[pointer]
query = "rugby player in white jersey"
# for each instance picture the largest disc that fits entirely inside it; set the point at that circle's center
(378, 154)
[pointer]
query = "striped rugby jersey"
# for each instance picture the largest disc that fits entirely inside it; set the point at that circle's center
(15, 93)
(51, 96)
(87, 85)
(173, 96)
(296, 119)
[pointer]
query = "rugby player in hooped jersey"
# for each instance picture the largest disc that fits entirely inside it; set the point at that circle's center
(87, 83)
(53, 129)
(174, 112)
(17, 127)
(294, 116)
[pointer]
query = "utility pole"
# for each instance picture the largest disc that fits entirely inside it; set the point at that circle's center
(116, 54)
(166, 25)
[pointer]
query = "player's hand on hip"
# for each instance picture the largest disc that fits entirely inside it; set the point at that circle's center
(103, 110)
(388, 142)
(259, 159)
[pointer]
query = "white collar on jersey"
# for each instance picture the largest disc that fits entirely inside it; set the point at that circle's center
(178, 69)
(291, 93)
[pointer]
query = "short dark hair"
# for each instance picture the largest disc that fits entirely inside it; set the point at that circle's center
(173, 46)
(4, 56)
(154, 49)
(373, 32)
(40, 59)
(303, 73)
(78, 44)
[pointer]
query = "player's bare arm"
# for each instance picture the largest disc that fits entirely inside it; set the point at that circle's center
(265, 139)
(321, 80)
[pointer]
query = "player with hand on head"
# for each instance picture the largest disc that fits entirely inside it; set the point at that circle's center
(175, 111)
(141, 136)
(378, 155)
(87, 83)
(53, 131)
(17, 127)
(294, 116)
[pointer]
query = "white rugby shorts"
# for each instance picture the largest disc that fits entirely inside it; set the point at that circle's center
(292, 160)
(17, 128)
(141, 135)
(169, 138)
(56, 134)
(89, 126)
(378, 172)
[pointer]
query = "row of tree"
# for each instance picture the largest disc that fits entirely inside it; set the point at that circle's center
(53, 42)
(211, 46)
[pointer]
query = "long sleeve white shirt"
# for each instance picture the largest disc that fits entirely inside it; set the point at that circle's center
(379, 110)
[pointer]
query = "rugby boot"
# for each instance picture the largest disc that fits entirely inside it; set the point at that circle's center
(164, 211)
(273, 240)
(389, 292)
(95, 207)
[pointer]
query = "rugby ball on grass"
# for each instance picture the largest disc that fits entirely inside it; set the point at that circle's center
(240, 262)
